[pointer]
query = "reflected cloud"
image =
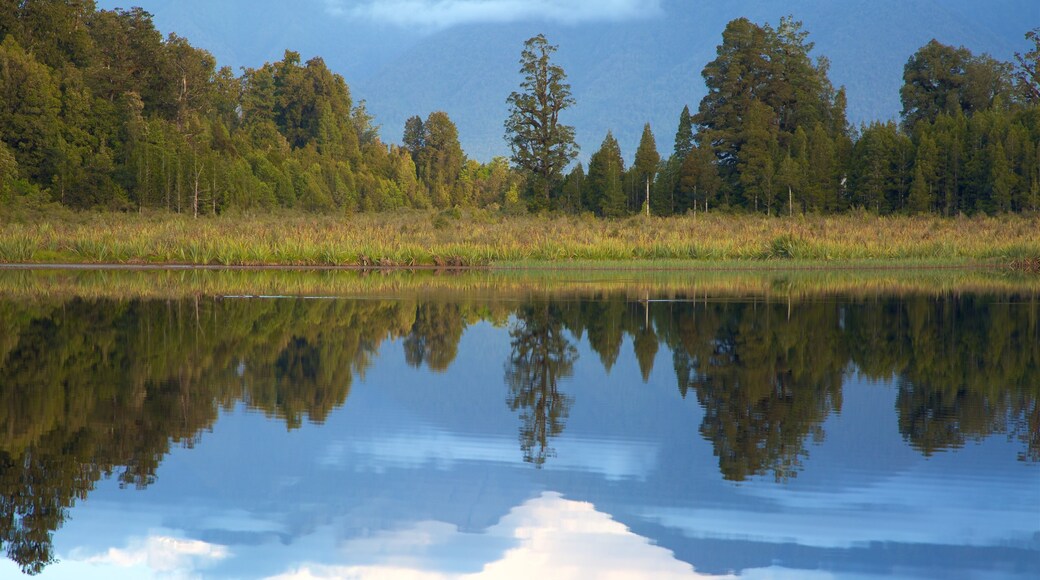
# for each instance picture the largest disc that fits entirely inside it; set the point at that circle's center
(446, 13)
(551, 537)
(163, 556)
(613, 459)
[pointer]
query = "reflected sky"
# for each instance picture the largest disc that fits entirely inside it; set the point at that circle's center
(421, 474)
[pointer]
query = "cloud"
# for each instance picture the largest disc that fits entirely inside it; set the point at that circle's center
(437, 14)
(162, 556)
(551, 537)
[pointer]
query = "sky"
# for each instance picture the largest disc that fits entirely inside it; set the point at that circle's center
(439, 14)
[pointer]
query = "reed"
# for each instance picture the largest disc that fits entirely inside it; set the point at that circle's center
(480, 238)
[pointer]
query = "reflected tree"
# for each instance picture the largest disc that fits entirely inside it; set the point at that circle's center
(764, 381)
(541, 357)
(91, 389)
(434, 338)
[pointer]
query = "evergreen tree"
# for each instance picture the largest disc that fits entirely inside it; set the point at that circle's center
(684, 135)
(699, 181)
(573, 198)
(768, 69)
(606, 174)
(757, 166)
(1001, 178)
(644, 169)
(920, 198)
(440, 159)
(414, 136)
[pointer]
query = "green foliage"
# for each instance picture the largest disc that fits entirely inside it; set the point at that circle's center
(1027, 70)
(943, 79)
(606, 195)
(644, 169)
(762, 88)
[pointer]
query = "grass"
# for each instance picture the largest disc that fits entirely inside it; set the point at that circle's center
(479, 238)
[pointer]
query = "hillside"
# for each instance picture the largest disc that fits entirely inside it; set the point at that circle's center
(623, 74)
(626, 75)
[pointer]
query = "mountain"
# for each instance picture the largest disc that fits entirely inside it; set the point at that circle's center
(623, 74)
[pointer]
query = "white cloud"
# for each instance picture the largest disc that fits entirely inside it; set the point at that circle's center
(437, 14)
(552, 537)
(160, 556)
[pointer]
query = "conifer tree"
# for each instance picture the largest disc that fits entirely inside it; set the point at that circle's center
(605, 180)
(684, 135)
(644, 169)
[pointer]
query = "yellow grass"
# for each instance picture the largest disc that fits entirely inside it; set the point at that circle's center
(481, 238)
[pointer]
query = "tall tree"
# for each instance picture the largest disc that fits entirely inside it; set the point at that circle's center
(757, 161)
(541, 145)
(606, 176)
(942, 79)
(1027, 71)
(684, 135)
(414, 137)
(772, 67)
(441, 158)
(699, 181)
(644, 169)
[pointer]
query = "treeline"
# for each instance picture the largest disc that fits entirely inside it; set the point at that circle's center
(98, 110)
(771, 136)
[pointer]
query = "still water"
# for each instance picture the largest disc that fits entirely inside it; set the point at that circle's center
(566, 435)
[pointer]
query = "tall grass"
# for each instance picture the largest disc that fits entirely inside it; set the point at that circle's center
(481, 238)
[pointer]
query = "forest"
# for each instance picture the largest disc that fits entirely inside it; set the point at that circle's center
(98, 110)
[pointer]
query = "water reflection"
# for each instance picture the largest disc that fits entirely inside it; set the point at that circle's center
(96, 388)
(542, 356)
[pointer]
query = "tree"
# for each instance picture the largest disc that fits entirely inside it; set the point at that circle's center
(606, 174)
(1027, 72)
(541, 357)
(757, 165)
(440, 159)
(698, 180)
(414, 136)
(771, 67)
(573, 198)
(942, 79)
(644, 169)
(542, 146)
(923, 187)
(684, 135)
(29, 111)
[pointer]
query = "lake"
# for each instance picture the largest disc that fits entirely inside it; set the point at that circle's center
(331, 425)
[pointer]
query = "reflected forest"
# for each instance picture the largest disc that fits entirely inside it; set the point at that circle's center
(91, 389)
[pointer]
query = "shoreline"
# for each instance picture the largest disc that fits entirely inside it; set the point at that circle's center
(634, 265)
